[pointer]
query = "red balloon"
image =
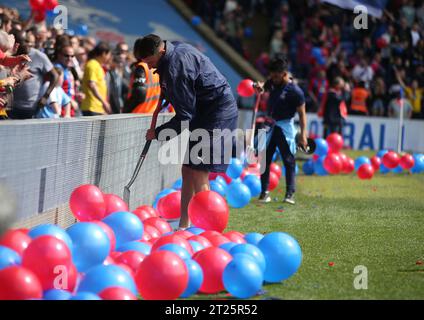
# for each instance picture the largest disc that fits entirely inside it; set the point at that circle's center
(212, 176)
(172, 238)
(132, 259)
(160, 224)
(333, 164)
(37, 5)
(245, 88)
(407, 161)
(349, 165)
(169, 206)
(365, 172)
(51, 4)
(255, 165)
(50, 259)
(202, 240)
(114, 204)
(213, 262)
(152, 231)
(163, 275)
(142, 214)
(335, 142)
(87, 203)
(375, 162)
(18, 283)
(39, 16)
(110, 234)
(115, 255)
(117, 293)
(273, 181)
(149, 209)
(210, 233)
(276, 169)
(235, 236)
(218, 240)
(15, 240)
(184, 234)
(146, 236)
(391, 160)
(208, 210)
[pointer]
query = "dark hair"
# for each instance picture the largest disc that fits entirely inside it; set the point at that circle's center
(99, 50)
(278, 64)
(4, 20)
(147, 46)
(21, 40)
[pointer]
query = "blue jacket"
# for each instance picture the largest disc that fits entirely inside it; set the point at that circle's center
(198, 92)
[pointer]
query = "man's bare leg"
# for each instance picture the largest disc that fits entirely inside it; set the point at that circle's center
(194, 181)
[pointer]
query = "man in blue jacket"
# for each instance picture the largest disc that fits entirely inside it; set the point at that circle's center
(202, 98)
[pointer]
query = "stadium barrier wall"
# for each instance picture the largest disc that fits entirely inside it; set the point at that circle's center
(43, 161)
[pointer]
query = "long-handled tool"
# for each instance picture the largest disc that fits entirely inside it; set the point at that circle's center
(250, 149)
(143, 155)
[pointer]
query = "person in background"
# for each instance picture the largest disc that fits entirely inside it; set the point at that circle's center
(27, 98)
(414, 94)
(94, 84)
(399, 103)
(114, 84)
(359, 100)
(378, 104)
(65, 61)
(333, 108)
(58, 102)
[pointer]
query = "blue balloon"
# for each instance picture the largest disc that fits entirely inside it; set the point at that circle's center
(102, 277)
(195, 278)
(384, 169)
(398, 169)
(221, 180)
(91, 245)
(50, 14)
(135, 246)
(9, 257)
(196, 246)
(322, 147)
(419, 163)
(235, 168)
(195, 230)
(178, 184)
(126, 226)
(308, 168)
(360, 161)
(253, 238)
(51, 230)
(238, 195)
(228, 246)
(283, 256)
(82, 30)
(196, 20)
(251, 250)
(175, 248)
(56, 294)
(296, 170)
(217, 187)
(254, 184)
(381, 153)
(242, 277)
(85, 296)
(319, 167)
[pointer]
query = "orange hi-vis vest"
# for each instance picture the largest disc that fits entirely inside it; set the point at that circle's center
(359, 100)
(153, 91)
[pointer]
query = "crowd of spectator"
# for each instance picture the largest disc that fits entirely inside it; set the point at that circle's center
(377, 64)
(47, 73)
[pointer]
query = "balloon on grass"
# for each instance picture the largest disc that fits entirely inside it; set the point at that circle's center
(19, 283)
(16, 240)
(254, 184)
(195, 278)
(169, 206)
(365, 172)
(391, 160)
(126, 226)
(87, 203)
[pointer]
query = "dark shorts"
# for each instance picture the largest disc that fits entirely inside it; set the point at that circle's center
(211, 149)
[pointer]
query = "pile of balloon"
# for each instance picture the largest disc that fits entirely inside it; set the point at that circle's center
(114, 254)
(42, 8)
(328, 159)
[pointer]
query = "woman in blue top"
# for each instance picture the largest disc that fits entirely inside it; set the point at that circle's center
(285, 99)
